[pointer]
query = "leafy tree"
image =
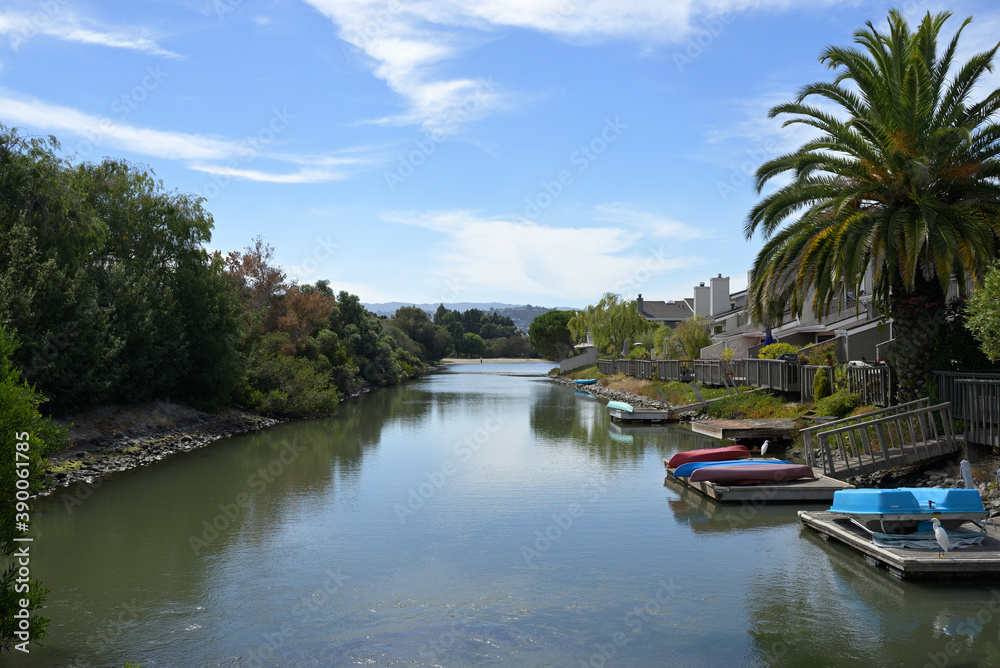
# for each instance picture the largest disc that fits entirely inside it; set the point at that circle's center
(434, 341)
(901, 181)
(472, 344)
(550, 335)
(613, 324)
(691, 336)
(25, 436)
(984, 315)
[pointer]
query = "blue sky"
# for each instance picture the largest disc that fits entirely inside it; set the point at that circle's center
(521, 151)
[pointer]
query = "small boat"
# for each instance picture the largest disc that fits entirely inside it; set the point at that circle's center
(708, 455)
(746, 474)
(901, 510)
(585, 381)
(620, 406)
(684, 470)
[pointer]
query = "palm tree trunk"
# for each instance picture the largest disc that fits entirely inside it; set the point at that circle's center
(918, 323)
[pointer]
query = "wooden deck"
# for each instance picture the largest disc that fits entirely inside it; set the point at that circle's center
(976, 561)
(794, 491)
(736, 429)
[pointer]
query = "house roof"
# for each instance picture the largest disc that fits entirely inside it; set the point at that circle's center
(666, 310)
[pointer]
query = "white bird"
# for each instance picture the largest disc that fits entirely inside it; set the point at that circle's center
(763, 448)
(941, 535)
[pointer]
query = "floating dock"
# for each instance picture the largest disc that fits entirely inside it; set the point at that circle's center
(818, 490)
(776, 428)
(975, 561)
(642, 415)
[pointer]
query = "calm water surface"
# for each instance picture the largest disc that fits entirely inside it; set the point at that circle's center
(480, 516)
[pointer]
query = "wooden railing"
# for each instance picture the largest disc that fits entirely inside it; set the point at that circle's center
(643, 369)
(889, 437)
(807, 380)
(606, 367)
(980, 400)
(674, 370)
(872, 383)
(773, 374)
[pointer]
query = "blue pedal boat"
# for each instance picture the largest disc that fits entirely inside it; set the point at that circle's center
(901, 510)
(685, 470)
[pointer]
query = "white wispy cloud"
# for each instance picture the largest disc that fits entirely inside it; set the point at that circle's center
(485, 255)
(405, 43)
(210, 154)
(58, 21)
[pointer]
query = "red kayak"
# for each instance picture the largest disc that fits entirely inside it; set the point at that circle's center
(709, 455)
(745, 474)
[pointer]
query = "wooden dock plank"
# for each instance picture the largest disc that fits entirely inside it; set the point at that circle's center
(818, 490)
(978, 560)
(736, 429)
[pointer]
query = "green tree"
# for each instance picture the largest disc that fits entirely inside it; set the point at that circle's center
(550, 335)
(901, 181)
(984, 315)
(472, 345)
(691, 336)
(613, 324)
(25, 438)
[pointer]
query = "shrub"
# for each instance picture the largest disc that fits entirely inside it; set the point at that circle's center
(817, 355)
(821, 385)
(638, 353)
(749, 406)
(772, 351)
(839, 405)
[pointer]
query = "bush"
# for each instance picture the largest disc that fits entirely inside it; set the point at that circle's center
(772, 351)
(839, 405)
(821, 385)
(817, 355)
(749, 406)
(638, 353)
(21, 425)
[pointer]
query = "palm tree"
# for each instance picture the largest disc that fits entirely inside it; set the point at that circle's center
(901, 181)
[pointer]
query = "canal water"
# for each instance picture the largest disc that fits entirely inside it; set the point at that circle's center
(480, 516)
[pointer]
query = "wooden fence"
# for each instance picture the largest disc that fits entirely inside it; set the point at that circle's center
(807, 380)
(773, 374)
(893, 436)
(872, 383)
(980, 399)
(606, 367)
(674, 370)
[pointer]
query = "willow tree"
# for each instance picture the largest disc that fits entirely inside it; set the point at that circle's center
(613, 324)
(900, 181)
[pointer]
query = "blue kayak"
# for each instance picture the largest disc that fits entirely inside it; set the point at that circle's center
(585, 381)
(685, 470)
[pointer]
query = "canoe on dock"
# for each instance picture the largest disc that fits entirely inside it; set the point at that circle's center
(708, 455)
(685, 470)
(745, 474)
(620, 406)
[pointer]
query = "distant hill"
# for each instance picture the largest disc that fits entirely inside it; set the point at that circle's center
(521, 315)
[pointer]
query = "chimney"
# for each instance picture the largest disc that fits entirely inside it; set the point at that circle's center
(638, 303)
(719, 295)
(701, 300)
